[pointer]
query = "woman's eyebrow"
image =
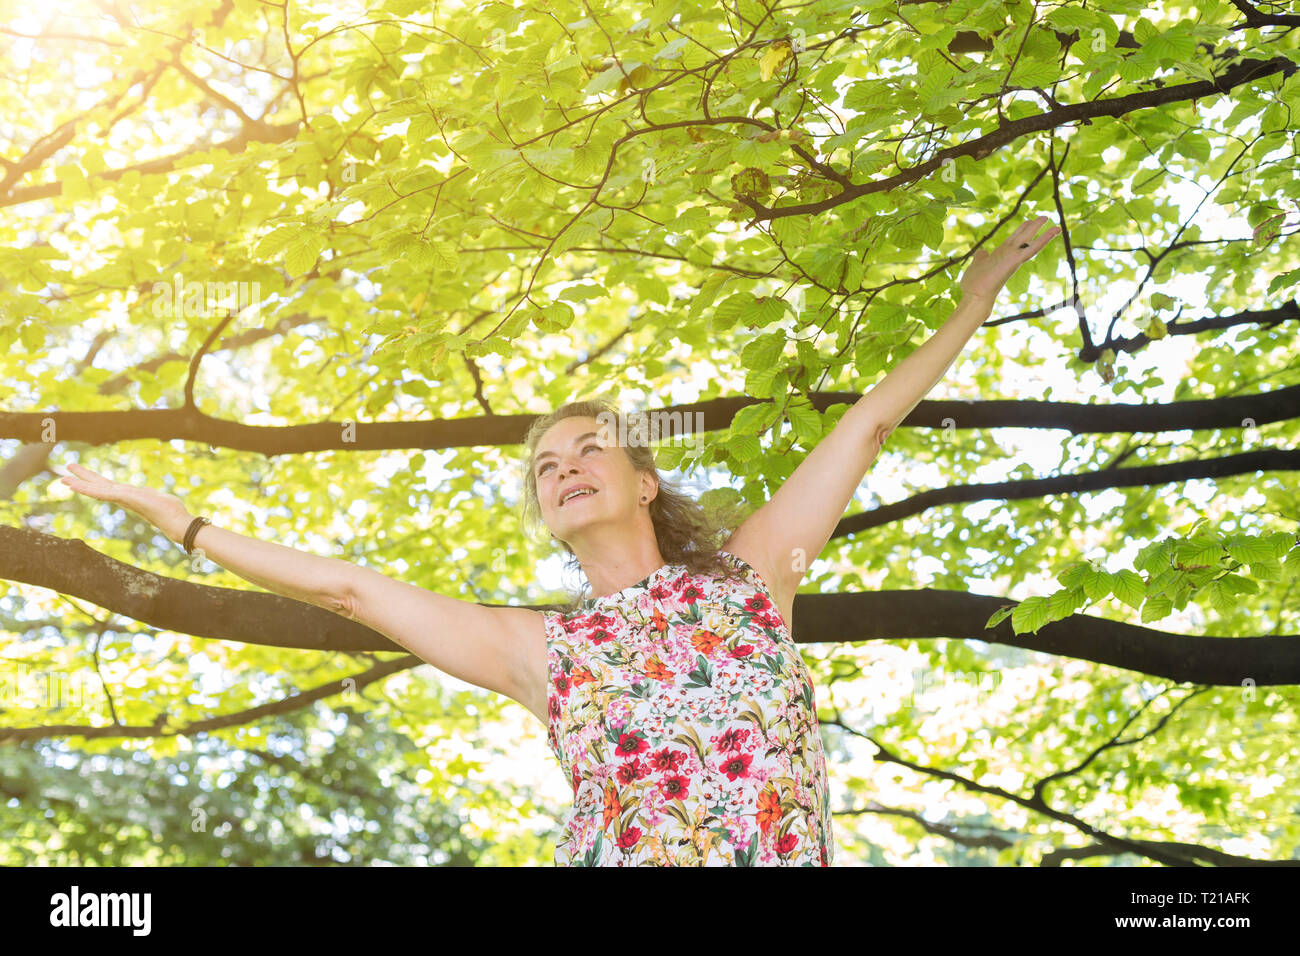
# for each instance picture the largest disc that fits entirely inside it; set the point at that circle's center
(575, 441)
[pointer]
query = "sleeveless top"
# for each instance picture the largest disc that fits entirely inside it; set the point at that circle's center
(685, 718)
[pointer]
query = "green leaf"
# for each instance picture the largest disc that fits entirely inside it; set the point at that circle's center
(443, 255)
(744, 446)
(805, 420)
(767, 309)
(583, 292)
(1069, 19)
(1249, 549)
(1129, 587)
(555, 317)
(1194, 69)
(752, 418)
(274, 242)
(1096, 584)
(1156, 608)
(1064, 603)
(764, 352)
(729, 311)
(706, 295)
(608, 79)
(998, 616)
(1202, 549)
(765, 382)
(1030, 615)
(301, 252)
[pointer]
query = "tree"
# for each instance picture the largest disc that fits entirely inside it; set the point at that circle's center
(256, 255)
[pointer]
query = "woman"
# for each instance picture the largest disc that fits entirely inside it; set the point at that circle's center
(673, 696)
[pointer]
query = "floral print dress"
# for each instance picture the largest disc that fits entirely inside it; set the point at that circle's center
(685, 718)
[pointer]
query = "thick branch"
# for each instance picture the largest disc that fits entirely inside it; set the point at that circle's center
(1274, 459)
(73, 568)
(106, 428)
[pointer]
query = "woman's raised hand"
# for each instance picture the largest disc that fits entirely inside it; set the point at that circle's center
(165, 512)
(988, 271)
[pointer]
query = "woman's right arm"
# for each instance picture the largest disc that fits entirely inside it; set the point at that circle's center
(496, 648)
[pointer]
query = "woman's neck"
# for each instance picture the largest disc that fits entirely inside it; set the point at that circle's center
(615, 564)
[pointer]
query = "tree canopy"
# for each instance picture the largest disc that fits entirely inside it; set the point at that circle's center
(315, 267)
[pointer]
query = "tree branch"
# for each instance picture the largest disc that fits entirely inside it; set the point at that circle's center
(106, 428)
(73, 568)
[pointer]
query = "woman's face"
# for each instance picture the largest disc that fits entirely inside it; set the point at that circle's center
(578, 453)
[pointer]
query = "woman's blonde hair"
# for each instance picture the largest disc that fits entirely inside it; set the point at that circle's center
(684, 531)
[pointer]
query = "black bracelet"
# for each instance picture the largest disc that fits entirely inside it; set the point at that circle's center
(190, 532)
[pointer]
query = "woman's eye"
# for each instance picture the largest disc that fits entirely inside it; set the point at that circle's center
(550, 464)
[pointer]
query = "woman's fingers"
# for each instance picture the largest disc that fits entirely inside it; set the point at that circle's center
(1030, 226)
(1036, 244)
(1025, 228)
(84, 481)
(1024, 237)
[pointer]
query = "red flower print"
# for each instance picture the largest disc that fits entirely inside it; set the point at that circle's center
(631, 770)
(562, 685)
(578, 625)
(691, 594)
(742, 650)
(600, 636)
(612, 807)
(667, 759)
(769, 809)
(582, 675)
(733, 739)
(575, 781)
(737, 766)
(553, 709)
(674, 787)
(629, 838)
(787, 843)
(757, 604)
(822, 851)
(632, 744)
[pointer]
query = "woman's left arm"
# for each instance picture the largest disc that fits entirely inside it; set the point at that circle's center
(788, 532)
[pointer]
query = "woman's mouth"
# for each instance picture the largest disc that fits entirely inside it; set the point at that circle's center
(576, 493)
